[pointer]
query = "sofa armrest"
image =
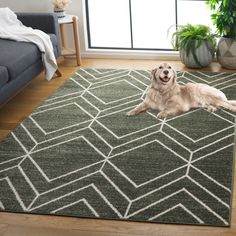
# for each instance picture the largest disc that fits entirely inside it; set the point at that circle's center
(47, 22)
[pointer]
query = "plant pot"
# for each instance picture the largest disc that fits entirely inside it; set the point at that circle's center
(60, 12)
(226, 53)
(203, 54)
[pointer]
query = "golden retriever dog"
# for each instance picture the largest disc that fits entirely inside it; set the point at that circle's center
(170, 98)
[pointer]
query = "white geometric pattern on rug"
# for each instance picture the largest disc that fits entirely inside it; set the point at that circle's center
(122, 193)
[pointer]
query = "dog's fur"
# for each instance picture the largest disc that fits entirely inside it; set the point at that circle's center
(170, 98)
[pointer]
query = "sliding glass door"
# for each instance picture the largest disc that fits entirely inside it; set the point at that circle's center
(140, 24)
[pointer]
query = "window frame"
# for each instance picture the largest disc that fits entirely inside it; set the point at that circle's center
(132, 48)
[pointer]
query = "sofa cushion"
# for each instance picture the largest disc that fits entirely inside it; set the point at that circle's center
(17, 56)
(3, 76)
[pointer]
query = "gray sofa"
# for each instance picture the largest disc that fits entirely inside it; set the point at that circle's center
(20, 62)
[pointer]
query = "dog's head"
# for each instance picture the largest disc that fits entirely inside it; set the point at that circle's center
(164, 75)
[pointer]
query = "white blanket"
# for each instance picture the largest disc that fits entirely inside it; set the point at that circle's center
(12, 28)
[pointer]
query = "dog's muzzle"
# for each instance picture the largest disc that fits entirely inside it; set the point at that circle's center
(164, 79)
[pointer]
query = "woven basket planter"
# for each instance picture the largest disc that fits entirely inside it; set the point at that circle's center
(60, 12)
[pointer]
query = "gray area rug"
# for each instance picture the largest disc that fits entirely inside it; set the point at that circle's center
(79, 155)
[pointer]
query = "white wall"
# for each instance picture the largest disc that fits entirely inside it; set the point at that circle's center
(25, 5)
(39, 6)
(75, 8)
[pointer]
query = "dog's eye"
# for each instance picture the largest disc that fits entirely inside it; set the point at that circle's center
(160, 67)
(169, 67)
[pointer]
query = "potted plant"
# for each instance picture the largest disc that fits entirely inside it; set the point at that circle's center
(196, 45)
(224, 18)
(59, 7)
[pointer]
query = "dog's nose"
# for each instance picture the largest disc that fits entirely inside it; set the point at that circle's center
(166, 72)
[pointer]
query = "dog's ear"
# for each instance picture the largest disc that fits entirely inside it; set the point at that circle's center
(153, 72)
(175, 75)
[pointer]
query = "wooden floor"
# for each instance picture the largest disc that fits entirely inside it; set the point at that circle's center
(18, 108)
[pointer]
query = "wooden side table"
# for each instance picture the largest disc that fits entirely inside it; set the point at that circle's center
(70, 19)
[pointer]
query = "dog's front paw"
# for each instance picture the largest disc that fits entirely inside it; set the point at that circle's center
(131, 113)
(162, 115)
(211, 109)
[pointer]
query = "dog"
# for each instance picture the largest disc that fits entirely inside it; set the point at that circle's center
(170, 98)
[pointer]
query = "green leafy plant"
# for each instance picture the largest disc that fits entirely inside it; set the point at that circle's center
(190, 37)
(224, 17)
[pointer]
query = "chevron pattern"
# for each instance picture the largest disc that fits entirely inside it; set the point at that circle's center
(78, 154)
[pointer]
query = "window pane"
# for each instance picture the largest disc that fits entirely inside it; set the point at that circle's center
(109, 23)
(193, 12)
(151, 20)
